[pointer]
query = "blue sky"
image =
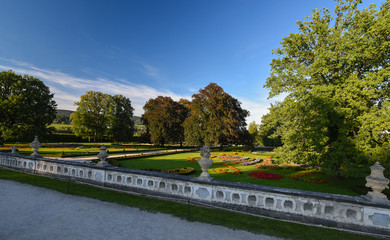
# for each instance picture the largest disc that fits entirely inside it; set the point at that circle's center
(143, 49)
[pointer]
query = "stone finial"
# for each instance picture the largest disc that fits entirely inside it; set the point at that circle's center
(378, 183)
(205, 162)
(205, 152)
(103, 155)
(13, 148)
(35, 145)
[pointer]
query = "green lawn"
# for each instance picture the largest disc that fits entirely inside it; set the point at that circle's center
(74, 149)
(172, 161)
(199, 214)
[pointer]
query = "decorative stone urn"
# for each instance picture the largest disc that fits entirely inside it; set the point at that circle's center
(103, 156)
(35, 145)
(13, 149)
(378, 183)
(205, 162)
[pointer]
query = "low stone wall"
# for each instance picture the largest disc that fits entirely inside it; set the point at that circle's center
(333, 210)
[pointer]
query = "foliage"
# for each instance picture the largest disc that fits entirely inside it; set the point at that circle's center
(269, 124)
(63, 116)
(253, 130)
(120, 124)
(335, 73)
(164, 118)
(215, 118)
(101, 115)
(26, 107)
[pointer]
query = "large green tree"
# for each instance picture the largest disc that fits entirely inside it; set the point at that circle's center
(215, 118)
(26, 107)
(335, 72)
(120, 124)
(164, 118)
(268, 135)
(99, 116)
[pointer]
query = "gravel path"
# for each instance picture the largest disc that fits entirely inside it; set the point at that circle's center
(33, 213)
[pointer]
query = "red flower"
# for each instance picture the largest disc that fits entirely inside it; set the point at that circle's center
(265, 175)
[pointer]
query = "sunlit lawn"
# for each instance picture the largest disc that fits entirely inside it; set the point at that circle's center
(168, 162)
(58, 149)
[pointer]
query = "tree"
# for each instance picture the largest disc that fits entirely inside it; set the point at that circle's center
(164, 118)
(215, 118)
(120, 123)
(91, 116)
(26, 107)
(253, 130)
(101, 115)
(270, 122)
(335, 73)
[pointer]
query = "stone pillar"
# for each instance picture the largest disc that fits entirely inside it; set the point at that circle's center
(103, 156)
(378, 183)
(205, 162)
(35, 145)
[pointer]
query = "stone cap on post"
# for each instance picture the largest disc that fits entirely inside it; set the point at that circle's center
(35, 145)
(103, 155)
(377, 182)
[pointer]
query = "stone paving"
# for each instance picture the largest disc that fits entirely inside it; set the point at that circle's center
(29, 212)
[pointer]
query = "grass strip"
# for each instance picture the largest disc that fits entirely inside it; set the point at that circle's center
(200, 214)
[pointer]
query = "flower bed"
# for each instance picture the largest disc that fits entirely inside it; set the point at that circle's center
(181, 171)
(298, 177)
(228, 170)
(252, 161)
(233, 158)
(267, 163)
(193, 159)
(266, 175)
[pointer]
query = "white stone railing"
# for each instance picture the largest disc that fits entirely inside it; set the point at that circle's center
(327, 209)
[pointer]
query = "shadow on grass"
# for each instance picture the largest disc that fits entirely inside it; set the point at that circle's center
(193, 213)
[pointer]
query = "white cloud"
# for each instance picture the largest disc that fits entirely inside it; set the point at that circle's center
(68, 88)
(152, 71)
(256, 109)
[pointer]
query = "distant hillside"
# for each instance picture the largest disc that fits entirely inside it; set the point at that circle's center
(63, 116)
(137, 120)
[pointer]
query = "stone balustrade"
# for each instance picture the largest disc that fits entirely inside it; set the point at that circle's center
(334, 210)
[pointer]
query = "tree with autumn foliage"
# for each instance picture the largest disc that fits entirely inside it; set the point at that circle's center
(335, 72)
(215, 118)
(163, 118)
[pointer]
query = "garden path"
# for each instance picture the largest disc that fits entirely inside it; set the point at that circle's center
(29, 212)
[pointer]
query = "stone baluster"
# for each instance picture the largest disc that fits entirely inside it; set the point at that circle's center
(377, 182)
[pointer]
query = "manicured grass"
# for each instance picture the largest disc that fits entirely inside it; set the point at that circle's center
(167, 162)
(199, 214)
(66, 149)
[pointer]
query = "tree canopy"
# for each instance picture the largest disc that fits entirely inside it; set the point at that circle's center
(26, 107)
(164, 118)
(100, 116)
(215, 118)
(335, 72)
